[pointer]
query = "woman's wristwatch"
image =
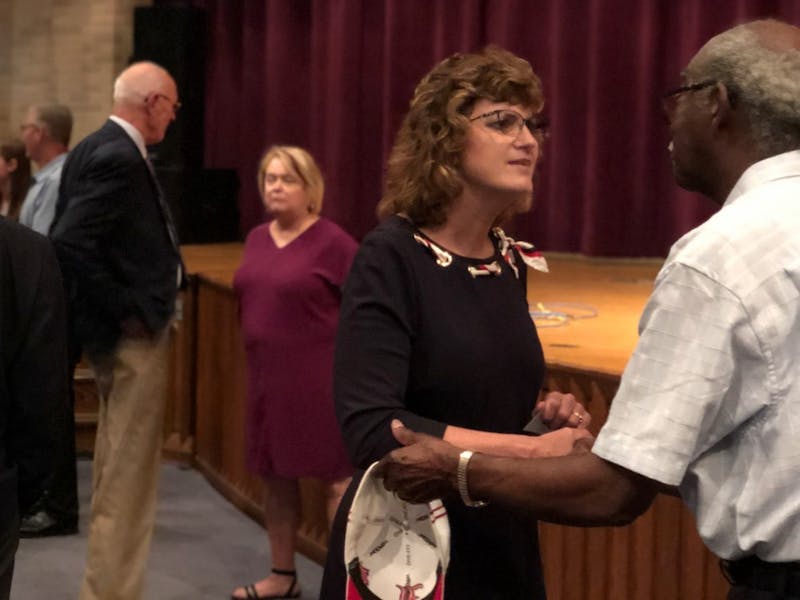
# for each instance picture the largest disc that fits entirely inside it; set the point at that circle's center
(461, 480)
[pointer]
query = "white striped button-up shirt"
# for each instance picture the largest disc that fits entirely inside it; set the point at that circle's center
(710, 399)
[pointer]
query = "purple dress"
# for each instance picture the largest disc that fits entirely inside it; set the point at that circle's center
(289, 307)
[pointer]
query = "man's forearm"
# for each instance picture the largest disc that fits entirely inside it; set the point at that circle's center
(580, 489)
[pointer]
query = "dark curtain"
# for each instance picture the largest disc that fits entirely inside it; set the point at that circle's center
(335, 76)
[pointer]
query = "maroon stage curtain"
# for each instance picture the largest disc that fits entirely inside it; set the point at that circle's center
(335, 76)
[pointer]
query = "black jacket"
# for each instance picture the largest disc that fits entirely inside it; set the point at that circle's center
(111, 238)
(33, 366)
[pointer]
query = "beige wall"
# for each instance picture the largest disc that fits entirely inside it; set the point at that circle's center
(5, 65)
(66, 51)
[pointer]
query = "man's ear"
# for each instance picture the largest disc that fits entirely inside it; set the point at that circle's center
(721, 101)
(12, 164)
(150, 101)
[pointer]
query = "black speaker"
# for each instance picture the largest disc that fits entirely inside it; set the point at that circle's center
(175, 38)
(214, 201)
(204, 203)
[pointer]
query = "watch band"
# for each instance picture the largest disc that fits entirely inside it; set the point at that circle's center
(461, 480)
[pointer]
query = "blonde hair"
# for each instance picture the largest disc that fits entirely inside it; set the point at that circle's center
(302, 164)
(424, 170)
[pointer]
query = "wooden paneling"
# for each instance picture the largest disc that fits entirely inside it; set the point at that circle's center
(85, 409)
(179, 410)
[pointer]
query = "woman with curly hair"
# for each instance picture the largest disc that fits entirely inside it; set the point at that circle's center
(15, 177)
(434, 327)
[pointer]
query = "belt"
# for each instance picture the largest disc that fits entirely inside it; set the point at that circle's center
(756, 574)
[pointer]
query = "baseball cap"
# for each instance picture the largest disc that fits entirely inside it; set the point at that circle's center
(394, 549)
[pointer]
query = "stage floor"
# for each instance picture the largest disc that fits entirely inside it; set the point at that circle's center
(616, 289)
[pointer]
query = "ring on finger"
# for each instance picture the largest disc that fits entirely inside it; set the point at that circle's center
(579, 416)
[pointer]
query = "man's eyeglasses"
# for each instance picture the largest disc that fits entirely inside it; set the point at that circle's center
(176, 106)
(670, 98)
(510, 122)
(25, 126)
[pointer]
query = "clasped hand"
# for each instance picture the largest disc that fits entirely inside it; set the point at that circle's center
(425, 468)
(558, 410)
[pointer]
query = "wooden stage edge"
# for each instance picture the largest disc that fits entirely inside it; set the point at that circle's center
(658, 557)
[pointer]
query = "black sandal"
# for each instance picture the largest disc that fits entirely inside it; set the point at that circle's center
(291, 592)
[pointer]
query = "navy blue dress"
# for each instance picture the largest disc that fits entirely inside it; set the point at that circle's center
(433, 346)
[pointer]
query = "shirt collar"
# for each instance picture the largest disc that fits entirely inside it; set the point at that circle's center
(775, 167)
(50, 167)
(133, 133)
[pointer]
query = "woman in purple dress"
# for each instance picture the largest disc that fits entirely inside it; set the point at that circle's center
(288, 287)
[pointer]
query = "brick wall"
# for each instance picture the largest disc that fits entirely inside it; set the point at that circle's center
(5, 66)
(66, 51)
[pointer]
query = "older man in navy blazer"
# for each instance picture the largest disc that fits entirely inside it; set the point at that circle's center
(116, 244)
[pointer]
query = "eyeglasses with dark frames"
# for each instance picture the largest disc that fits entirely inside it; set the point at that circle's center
(510, 122)
(670, 98)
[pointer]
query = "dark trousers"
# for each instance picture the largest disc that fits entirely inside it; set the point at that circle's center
(9, 540)
(740, 592)
(60, 497)
(754, 579)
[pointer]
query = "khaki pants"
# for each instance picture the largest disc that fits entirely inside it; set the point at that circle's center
(132, 386)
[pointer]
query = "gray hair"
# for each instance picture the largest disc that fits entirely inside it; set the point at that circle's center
(764, 83)
(57, 119)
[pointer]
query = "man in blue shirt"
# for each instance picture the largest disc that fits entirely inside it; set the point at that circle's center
(45, 133)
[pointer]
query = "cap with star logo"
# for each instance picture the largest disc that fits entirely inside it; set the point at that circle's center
(394, 550)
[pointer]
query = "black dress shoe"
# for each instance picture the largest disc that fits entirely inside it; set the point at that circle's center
(42, 524)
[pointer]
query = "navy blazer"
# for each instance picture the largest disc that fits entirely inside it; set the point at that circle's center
(111, 238)
(33, 367)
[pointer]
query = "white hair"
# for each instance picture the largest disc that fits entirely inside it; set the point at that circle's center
(139, 80)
